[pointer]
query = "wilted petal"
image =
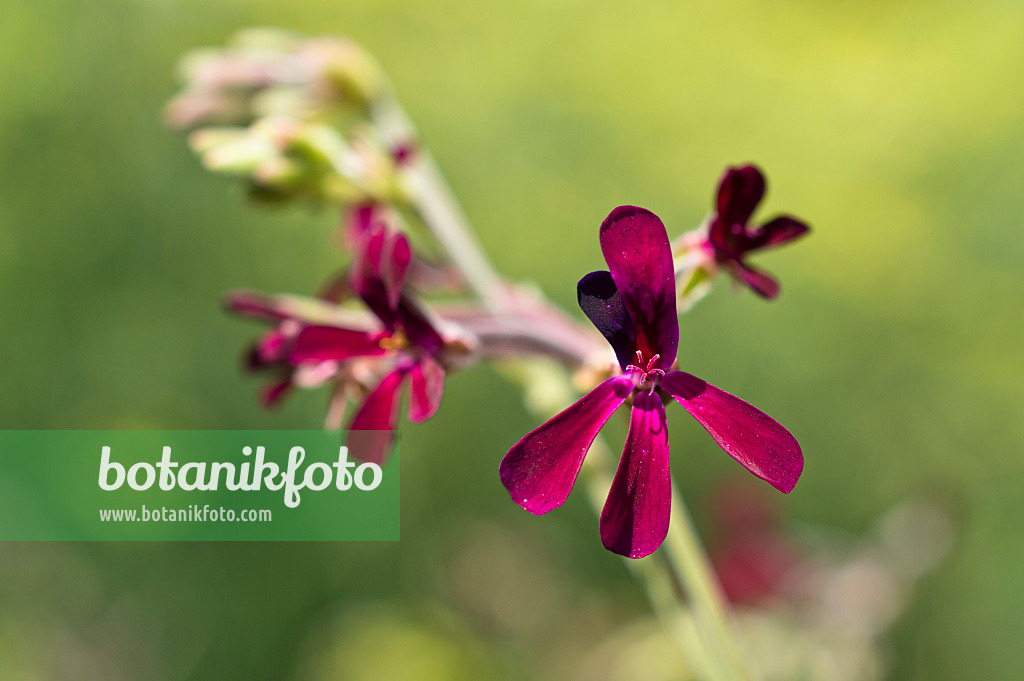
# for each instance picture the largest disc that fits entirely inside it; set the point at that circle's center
(635, 517)
(639, 256)
(323, 343)
(540, 470)
(426, 387)
(748, 435)
(778, 231)
(739, 192)
(760, 282)
(372, 428)
(601, 302)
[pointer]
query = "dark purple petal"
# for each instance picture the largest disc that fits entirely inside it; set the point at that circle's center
(739, 192)
(727, 240)
(394, 265)
(366, 274)
(323, 343)
(748, 435)
(760, 282)
(417, 326)
(777, 232)
(426, 387)
(540, 470)
(636, 248)
(372, 428)
(601, 302)
(358, 222)
(635, 517)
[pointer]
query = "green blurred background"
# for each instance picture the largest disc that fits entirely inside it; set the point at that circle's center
(894, 352)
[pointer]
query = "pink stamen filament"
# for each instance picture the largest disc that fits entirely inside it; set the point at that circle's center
(648, 371)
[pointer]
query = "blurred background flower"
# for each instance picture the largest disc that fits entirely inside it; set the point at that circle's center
(893, 353)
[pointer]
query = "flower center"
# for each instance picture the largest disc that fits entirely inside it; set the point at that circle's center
(645, 371)
(396, 341)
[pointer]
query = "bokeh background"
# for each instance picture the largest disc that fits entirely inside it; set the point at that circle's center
(893, 353)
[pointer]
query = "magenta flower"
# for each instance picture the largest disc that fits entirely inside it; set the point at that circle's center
(634, 307)
(406, 347)
(730, 238)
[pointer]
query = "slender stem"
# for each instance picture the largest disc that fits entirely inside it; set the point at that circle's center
(685, 554)
(681, 561)
(681, 565)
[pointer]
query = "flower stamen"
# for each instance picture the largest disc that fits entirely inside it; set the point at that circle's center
(645, 371)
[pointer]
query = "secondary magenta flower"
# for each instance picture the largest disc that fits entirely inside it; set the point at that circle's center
(730, 238)
(404, 346)
(633, 305)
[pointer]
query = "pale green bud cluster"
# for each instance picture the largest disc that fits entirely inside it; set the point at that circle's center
(290, 115)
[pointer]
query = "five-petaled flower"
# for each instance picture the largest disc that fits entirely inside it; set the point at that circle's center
(406, 344)
(729, 236)
(633, 305)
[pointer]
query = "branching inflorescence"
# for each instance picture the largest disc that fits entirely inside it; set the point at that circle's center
(314, 120)
(302, 119)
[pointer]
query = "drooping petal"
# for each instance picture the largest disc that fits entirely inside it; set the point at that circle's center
(371, 432)
(323, 343)
(639, 256)
(635, 517)
(739, 192)
(748, 435)
(426, 387)
(601, 302)
(540, 470)
(777, 232)
(760, 282)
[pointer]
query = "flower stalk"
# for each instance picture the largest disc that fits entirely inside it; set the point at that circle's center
(337, 135)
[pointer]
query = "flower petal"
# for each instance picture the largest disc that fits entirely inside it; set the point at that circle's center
(273, 393)
(601, 302)
(635, 517)
(258, 305)
(636, 247)
(739, 192)
(323, 343)
(426, 387)
(371, 432)
(358, 221)
(778, 231)
(540, 470)
(394, 265)
(748, 435)
(760, 282)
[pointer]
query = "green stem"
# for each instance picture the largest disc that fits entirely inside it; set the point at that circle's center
(434, 200)
(681, 564)
(680, 569)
